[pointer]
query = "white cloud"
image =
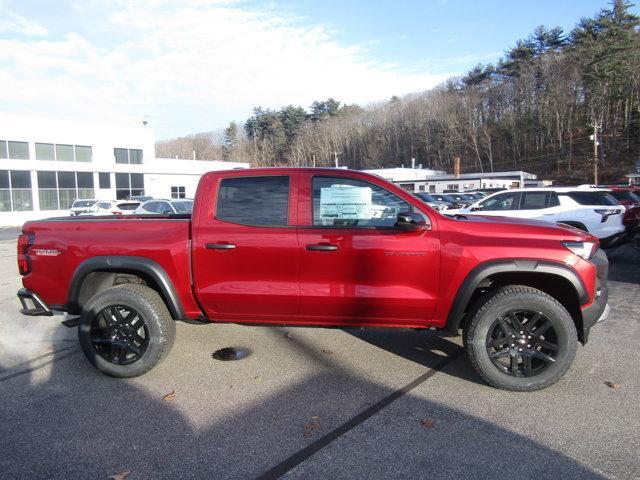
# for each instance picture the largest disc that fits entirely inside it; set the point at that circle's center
(191, 64)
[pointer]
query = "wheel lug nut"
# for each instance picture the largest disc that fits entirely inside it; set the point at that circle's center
(528, 336)
(513, 336)
(528, 346)
(520, 349)
(513, 344)
(521, 333)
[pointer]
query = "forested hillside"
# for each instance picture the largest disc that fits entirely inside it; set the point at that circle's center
(535, 110)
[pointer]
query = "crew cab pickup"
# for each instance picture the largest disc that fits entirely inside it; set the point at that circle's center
(322, 247)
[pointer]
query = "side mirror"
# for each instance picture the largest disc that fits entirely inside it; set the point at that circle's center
(411, 222)
(476, 208)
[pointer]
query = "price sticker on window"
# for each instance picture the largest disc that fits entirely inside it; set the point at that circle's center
(345, 202)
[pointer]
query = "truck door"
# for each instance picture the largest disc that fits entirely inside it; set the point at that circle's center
(355, 267)
(245, 248)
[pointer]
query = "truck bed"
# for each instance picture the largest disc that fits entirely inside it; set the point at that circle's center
(61, 245)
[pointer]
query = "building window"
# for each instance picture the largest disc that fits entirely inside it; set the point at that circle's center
(453, 187)
(18, 150)
(421, 188)
(83, 153)
(58, 190)
(104, 179)
(15, 191)
(432, 189)
(128, 155)
(129, 184)
(178, 192)
(64, 153)
(45, 151)
(3, 149)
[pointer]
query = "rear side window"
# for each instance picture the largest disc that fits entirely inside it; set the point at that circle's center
(257, 201)
(592, 198)
(503, 201)
(534, 200)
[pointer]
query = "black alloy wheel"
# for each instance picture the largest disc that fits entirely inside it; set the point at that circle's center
(119, 334)
(522, 343)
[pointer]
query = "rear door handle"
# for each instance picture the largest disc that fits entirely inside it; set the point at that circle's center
(322, 247)
(219, 246)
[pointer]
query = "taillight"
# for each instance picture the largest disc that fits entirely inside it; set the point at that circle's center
(25, 241)
(606, 213)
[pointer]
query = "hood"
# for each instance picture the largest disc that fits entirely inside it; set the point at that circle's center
(517, 225)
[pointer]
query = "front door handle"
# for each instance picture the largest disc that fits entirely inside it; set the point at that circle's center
(322, 247)
(219, 246)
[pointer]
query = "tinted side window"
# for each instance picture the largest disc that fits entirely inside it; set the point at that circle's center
(150, 207)
(534, 200)
(504, 201)
(259, 201)
(554, 201)
(344, 202)
(593, 198)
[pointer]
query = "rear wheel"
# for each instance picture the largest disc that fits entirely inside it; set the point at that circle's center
(521, 339)
(126, 330)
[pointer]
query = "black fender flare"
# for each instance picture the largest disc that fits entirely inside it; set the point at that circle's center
(133, 264)
(492, 267)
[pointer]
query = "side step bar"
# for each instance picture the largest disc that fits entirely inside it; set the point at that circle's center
(32, 304)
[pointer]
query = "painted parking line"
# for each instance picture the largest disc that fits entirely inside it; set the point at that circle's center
(302, 455)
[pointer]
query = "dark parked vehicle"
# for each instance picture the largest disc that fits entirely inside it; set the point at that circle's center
(433, 202)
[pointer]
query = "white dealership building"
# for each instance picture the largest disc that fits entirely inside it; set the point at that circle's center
(47, 163)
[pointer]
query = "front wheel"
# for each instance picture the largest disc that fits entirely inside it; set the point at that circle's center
(126, 330)
(521, 339)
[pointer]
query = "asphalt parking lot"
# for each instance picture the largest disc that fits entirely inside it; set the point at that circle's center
(314, 403)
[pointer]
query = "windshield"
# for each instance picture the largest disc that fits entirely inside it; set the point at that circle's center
(83, 203)
(128, 205)
(183, 207)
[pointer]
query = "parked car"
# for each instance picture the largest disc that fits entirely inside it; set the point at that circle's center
(162, 206)
(81, 205)
(432, 201)
(591, 210)
(457, 200)
(113, 207)
(476, 195)
(295, 246)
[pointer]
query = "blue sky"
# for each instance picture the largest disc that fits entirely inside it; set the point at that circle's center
(441, 34)
(194, 65)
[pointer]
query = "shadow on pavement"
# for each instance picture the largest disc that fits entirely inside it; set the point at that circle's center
(78, 423)
(425, 347)
(626, 262)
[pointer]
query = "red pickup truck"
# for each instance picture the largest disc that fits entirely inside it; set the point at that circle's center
(319, 247)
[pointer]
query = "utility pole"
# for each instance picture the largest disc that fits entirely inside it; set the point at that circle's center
(595, 152)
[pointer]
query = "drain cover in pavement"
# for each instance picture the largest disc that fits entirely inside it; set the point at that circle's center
(230, 353)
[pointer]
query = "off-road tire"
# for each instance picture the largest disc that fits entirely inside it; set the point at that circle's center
(160, 325)
(504, 300)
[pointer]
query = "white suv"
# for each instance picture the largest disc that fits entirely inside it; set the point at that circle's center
(592, 210)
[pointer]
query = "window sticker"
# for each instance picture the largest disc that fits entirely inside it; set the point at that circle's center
(345, 202)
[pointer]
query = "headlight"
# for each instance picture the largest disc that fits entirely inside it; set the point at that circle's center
(585, 250)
